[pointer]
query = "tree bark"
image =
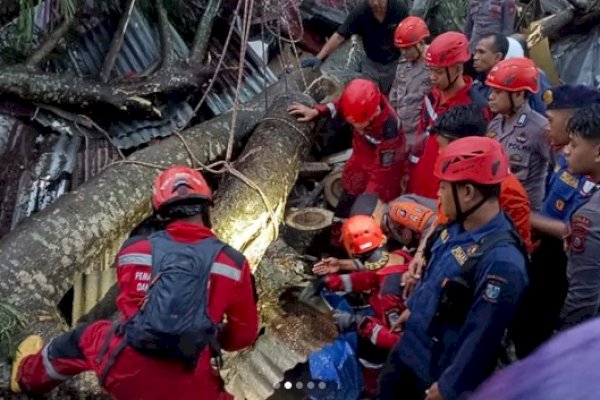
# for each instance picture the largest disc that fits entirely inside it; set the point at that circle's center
(83, 230)
(271, 159)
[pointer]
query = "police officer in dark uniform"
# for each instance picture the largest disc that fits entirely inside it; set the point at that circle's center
(565, 192)
(474, 281)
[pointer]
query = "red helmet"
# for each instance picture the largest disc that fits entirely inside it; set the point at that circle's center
(448, 49)
(410, 31)
(473, 159)
(179, 183)
(514, 75)
(360, 100)
(361, 234)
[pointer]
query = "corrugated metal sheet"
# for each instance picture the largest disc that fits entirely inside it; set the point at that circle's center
(89, 289)
(291, 330)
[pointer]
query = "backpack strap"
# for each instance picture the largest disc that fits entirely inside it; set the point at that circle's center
(237, 257)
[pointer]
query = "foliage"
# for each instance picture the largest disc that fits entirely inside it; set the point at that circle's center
(10, 321)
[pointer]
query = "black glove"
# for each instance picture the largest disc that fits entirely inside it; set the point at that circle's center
(344, 321)
(312, 62)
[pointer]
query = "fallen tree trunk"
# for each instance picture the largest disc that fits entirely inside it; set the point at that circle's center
(568, 21)
(83, 230)
(271, 159)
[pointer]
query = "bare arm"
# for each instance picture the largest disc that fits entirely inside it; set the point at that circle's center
(548, 226)
(333, 43)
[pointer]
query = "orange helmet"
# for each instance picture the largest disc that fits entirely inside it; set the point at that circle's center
(410, 31)
(360, 100)
(479, 160)
(514, 75)
(411, 215)
(361, 234)
(448, 49)
(177, 184)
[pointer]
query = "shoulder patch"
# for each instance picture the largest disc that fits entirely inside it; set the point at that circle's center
(580, 226)
(522, 121)
(444, 236)
(492, 291)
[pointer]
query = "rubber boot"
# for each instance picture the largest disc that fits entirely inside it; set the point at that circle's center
(28, 347)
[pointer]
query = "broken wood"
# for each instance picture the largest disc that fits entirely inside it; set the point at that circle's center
(314, 170)
(304, 225)
(333, 187)
(568, 21)
(271, 159)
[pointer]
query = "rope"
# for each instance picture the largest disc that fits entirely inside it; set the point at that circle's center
(288, 123)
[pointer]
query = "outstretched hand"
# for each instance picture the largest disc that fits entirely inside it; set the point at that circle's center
(302, 113)
(330, 265)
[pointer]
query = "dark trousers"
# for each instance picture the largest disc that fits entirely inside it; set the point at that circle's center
(538, 317)
(398, 381)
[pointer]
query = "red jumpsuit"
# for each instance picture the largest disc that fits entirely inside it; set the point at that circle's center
(386, 299)
(378, 155)
(421, 179)
(136, 376)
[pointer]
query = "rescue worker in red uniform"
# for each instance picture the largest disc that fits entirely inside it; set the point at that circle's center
(181, 196)
(380, 273)
(378, 143)
(445, 57)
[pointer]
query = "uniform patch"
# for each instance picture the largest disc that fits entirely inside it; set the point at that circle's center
(559, 205)
(460, 255)
(579, 230)
(491, 134)
(386, 157)
(587, 187)
(569, 179)
(393, 316)
(522, 138)
(548, 97)
(522, 121)
(492, 291)
(444, 236)
(516, 158)
(472, 249)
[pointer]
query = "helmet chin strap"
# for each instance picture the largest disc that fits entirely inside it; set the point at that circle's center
(461, 215)
(451, 81)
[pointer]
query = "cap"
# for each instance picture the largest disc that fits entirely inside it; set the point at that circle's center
(570, 96)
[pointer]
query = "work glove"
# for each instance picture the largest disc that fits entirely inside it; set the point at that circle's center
(312, 62)
(344, 321)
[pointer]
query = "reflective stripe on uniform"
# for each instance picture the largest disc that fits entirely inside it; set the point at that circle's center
(332, 110)
(375, 333)
(430, 110)
(368, 364)
(135, 258)
(50, 371)
(347, 282)
(227, 271)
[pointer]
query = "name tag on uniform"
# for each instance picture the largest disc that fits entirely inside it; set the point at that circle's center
(569, 179)
(460, 255)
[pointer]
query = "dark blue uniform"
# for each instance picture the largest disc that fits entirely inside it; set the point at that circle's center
(566, 192)
(462, 357)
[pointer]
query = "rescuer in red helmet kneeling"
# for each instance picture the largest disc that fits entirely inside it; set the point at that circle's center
(378, 145)
(176, 288)
(379, 273)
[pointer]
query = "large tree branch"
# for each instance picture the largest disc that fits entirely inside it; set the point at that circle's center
(203, 32)
(50, 43)
(116, 42)
(166, 39)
